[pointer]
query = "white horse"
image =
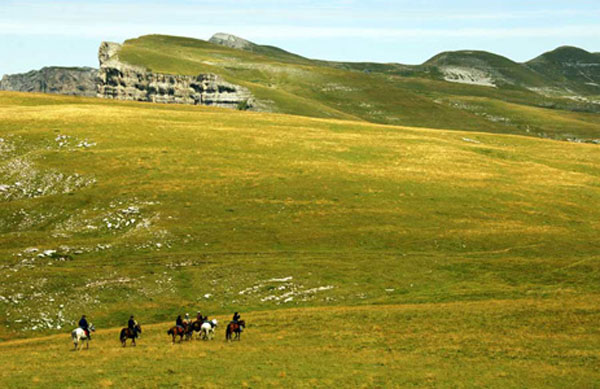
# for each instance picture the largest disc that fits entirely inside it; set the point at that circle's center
(78, 336)
(207, 330)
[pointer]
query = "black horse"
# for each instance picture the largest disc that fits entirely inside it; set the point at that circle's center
(235, 328)
(196, 326)
(128, 333)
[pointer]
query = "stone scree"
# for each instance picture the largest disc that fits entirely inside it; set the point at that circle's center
(121, 81)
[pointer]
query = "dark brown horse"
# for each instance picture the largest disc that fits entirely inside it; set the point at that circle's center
(180, 331)
(195, 326)
(234, 328)
(127, 333)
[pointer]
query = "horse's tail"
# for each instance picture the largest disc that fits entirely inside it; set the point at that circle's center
(123, 334)
(74, 336)
(170, 331)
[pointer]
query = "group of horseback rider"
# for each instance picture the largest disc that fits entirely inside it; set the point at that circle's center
(183, 323)
(132, 324)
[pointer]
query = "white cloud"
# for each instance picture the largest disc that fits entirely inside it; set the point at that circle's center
(111, 31)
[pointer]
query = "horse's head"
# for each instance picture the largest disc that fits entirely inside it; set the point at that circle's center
(242, 323)
(91, 327)
(214, 321)
(138, 328)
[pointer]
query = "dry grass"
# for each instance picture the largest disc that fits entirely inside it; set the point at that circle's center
(451, 263)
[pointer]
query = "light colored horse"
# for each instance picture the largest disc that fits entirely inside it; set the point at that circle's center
(207, 331)
(78, 336)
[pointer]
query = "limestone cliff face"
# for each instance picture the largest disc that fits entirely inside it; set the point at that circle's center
(53, 79)
(121, 81)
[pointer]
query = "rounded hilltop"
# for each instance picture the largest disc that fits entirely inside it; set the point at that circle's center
(229, 40)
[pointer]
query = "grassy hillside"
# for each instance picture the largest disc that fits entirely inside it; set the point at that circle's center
(494, 344)
(378, 93)
(571, 67)
(503, 70)
(464, 256)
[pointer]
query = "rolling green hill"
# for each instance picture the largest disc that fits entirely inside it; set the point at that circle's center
(501, 71)
(382, 227)
(471, 241)
(378, 93)
(571, 67)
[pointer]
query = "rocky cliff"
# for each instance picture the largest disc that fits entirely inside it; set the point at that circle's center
(53, 79)
(121, 81)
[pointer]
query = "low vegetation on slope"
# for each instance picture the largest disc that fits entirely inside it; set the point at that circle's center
(551, 343)
(571, 67)
(485, 245)
(379, 93)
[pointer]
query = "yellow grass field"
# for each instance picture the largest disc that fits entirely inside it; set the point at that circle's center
(498, 343)
(361, 255)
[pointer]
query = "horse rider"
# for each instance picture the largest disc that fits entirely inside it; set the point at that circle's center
(186, 320)
(85, 326)
(179, 322)
(132, 325)
(236, 318)
(199, 317)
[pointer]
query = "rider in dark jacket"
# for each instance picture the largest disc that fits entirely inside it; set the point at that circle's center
(179, 321)
(236, 318)
(84, 325)
(132, 325)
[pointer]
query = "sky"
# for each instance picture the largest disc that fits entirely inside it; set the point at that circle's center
(37, 33)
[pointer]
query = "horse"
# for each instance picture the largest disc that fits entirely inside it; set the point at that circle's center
(180, 331)
(127, 333)
(195, 326)
(236, 328)
(78, 335)
(207, 331)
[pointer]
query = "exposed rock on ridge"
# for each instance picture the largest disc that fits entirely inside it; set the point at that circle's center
(121, 81)
(77, 81)
(232, 41)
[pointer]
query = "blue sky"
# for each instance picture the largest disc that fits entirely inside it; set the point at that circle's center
(35, 33)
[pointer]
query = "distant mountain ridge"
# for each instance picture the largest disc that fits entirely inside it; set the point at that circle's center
(467, 89)
(565, 68)
(570, 67)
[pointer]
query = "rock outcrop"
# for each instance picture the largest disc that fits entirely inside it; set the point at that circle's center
(77, 81)
(122, 81)
(232, 41)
